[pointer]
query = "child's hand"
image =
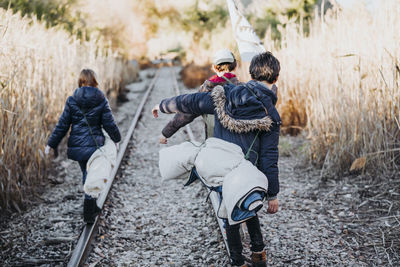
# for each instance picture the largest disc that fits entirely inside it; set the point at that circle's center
(47, 151)
(273, 206)
(155, 111)
(163, 140)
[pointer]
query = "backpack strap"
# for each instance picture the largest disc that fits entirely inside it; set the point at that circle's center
(254, 94)
(226, 79)
(266, 112)
(247, 156)
(90, 129)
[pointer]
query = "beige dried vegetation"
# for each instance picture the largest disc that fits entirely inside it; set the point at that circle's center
(341, 83)
(38, 70)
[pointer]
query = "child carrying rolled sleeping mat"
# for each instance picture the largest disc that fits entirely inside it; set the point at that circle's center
(86, 113)
(245, 115)
(224, 63)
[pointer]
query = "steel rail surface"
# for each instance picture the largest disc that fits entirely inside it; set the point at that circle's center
(81, 250)
(213, 195)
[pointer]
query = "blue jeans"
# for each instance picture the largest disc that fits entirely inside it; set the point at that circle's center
(82, 164)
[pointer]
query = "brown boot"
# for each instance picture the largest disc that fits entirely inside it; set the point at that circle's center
(259, 259)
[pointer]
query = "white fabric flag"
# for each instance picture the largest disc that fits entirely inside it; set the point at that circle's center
(248, 42)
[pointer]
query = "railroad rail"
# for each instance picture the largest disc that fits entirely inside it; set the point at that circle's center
(82, 248)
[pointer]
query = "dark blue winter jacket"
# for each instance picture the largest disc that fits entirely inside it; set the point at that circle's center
(81, 143)
(240, 112)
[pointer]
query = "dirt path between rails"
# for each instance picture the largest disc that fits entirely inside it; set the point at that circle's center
(354, 221)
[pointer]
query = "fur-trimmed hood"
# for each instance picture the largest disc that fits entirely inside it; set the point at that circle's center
(239, 110)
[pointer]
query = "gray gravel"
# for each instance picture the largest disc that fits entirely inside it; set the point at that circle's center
(147, 222)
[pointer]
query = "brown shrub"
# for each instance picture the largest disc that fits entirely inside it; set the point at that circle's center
(193, 75)
(145, 63)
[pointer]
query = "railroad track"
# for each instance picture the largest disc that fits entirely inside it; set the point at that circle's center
(82, 249)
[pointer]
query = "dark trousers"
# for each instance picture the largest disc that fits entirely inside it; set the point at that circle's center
(82, 164)
(235, 242)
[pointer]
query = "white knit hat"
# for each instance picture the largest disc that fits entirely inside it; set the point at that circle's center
(223, 56)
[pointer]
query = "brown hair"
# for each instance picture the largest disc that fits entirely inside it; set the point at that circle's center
(265, 67)
(225, 67)
(87, 78)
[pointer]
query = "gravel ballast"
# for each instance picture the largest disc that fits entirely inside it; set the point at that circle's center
(149, 222)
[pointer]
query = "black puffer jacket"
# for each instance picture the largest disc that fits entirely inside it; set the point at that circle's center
(81, 143)
(240, 112)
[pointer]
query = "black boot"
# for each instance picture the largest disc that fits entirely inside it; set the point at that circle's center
(90, 210)
(243, 265)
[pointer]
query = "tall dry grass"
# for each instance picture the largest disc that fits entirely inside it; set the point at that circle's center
(38, 70)
(342, 82)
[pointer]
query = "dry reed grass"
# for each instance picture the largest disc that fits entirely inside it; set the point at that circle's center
(38, 70)
(342, 83)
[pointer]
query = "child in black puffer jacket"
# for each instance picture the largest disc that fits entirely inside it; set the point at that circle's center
(245, 115)
(87, 105)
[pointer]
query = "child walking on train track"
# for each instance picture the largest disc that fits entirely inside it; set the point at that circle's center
(245, 115)
(86, 112)
(224, 63)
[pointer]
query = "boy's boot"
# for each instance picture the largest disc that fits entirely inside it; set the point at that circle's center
(259, 259)
(90, 210)
(246, 262)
